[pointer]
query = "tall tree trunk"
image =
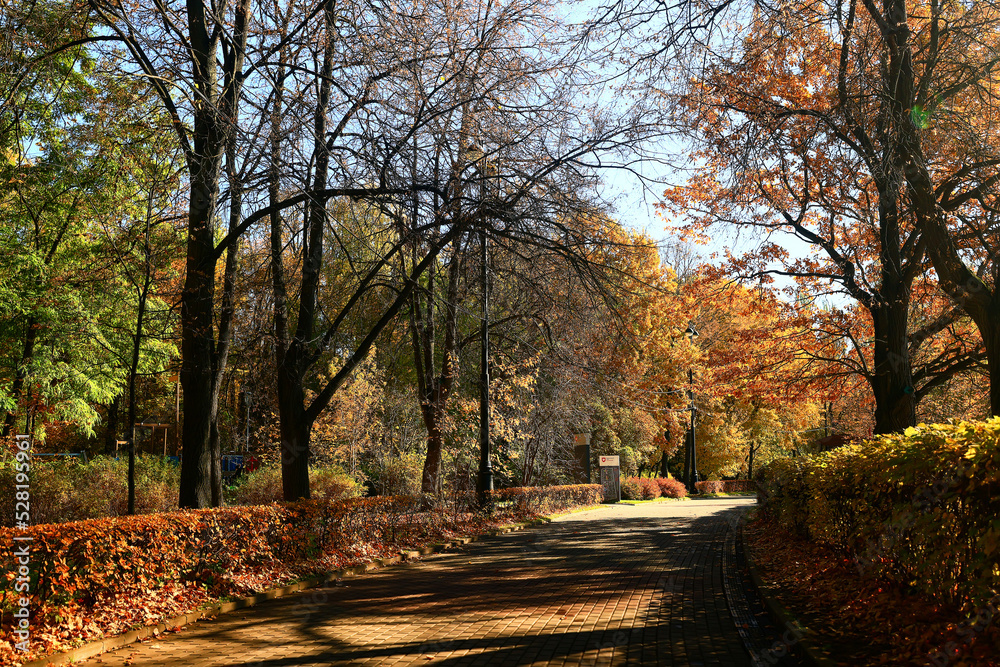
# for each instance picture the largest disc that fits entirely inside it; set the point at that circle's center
(299, 355)
(992, 339)
(430, 481)
(134, 366)
(295, 431)
(203, 364)
(979, 301)
(21, 373)
(435, 388)
(891, 380)
(197, 332)
(111, 427)
(198, 296)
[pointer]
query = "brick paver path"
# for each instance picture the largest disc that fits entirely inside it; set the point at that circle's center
(637, 585)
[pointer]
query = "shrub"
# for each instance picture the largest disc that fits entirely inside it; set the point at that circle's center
(396, 475)
(535, 500)
(919, 508)
(70, 490)
(631, 489)
(332, 483)
(726, 486)
(650, 489)
(647, 488)
(263, 486)
(671, 488)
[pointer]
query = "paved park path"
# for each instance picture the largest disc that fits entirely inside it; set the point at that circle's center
(629, 584)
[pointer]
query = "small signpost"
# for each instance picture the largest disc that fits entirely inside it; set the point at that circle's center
(610, 471)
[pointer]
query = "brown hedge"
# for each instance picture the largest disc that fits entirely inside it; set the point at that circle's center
(528, 500)
(727, 486)
(78, 567)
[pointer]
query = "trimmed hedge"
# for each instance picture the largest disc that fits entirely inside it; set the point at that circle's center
(88, 559)
(671, 487)
(534, 500)
(631, 489)
(726, 486)
(920, 508)
(80, 570)
(648, 488)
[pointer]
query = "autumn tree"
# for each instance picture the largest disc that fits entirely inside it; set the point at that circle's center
(797, 83)
(756, 394)
(938, 72)
(82, 171)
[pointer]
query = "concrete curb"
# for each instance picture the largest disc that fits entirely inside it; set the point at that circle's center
(812, 653)
(113, 643)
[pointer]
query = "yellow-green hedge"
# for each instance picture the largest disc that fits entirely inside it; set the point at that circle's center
(921, 508)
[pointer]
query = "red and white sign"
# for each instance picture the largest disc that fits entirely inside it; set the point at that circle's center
(609, 461)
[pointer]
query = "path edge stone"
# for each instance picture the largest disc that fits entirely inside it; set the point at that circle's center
(100, 646)
(809, 649)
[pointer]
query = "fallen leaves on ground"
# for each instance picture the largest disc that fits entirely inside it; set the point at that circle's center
(866, 621)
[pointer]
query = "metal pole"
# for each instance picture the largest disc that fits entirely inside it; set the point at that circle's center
(686, 472)
(693, 475)
(485, 466)
(664, 470)
(177, 416)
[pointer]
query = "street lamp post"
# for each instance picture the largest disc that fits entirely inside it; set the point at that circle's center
(485, 466)
(692, 456)
(485, 482)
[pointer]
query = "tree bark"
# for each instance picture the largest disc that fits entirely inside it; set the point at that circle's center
(991, 337)
(979, 301)
(111, 427)
(197, 343)
(21, 374)
(891, 381)
(295, 431)
(435, 388)
(297, 354)
(203, 365)
(430, 481)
